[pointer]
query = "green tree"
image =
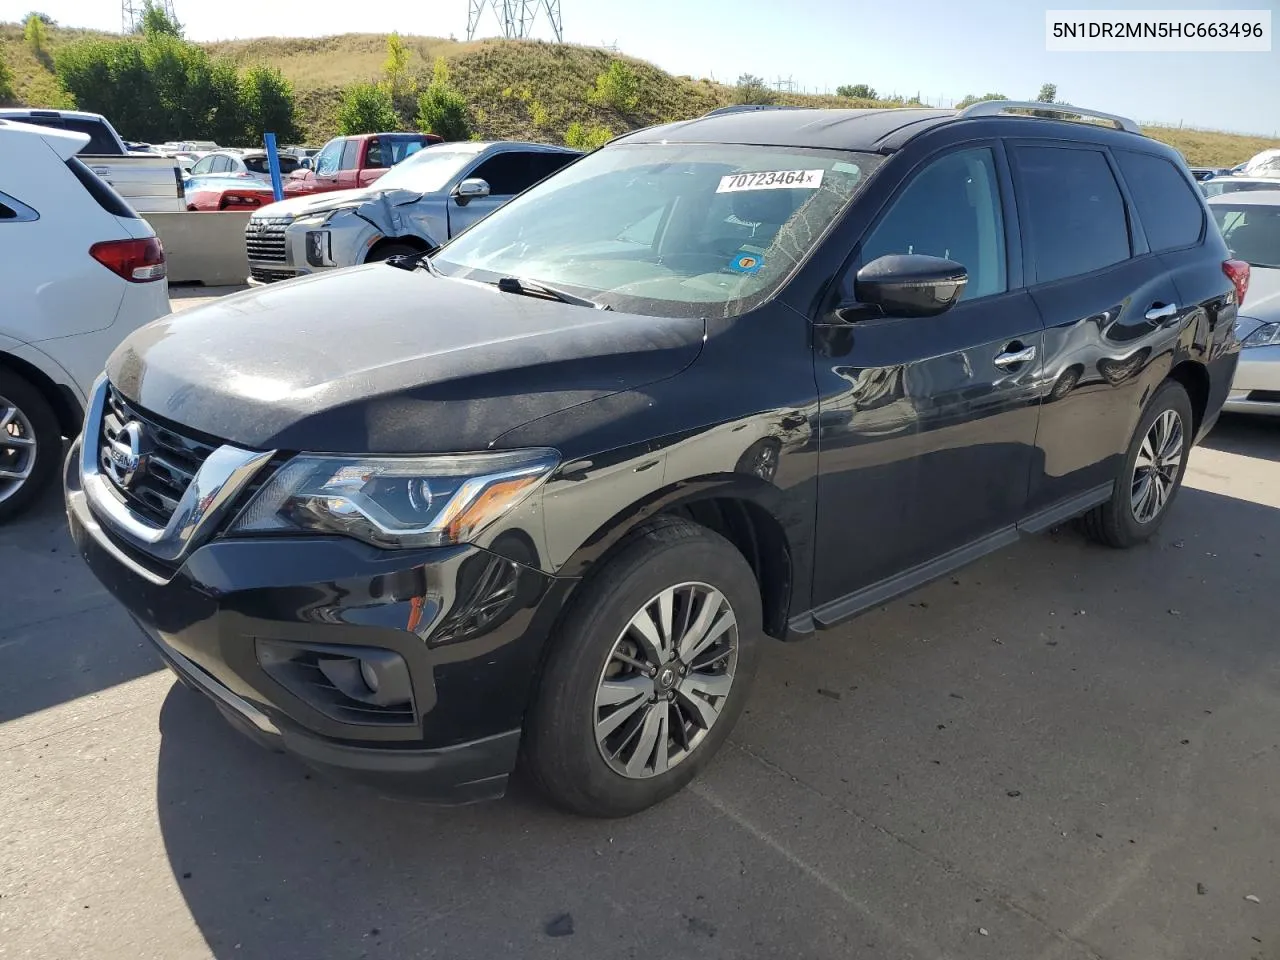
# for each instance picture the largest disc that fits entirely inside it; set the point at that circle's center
(34, 33)
(268, 105)
(860, 90)
(156, 21)
(7, 94)
(1048, 94)
(970, 99)
(442, 110)
(751, 89)
(587, 138)
(618, 87)
(366, 108)
(395, 70)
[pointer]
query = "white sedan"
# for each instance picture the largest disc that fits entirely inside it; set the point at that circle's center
(1250, 223)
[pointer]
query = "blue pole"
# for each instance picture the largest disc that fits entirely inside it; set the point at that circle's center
(273, 164)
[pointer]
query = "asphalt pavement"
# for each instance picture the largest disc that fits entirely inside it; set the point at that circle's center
(1062, 752)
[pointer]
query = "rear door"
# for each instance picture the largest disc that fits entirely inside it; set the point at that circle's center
(1109, 305)
(927, 425)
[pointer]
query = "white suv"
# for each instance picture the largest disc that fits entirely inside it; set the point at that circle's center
(79, 271)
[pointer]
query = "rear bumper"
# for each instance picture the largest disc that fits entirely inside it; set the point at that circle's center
(465, 628)
(1256, 385)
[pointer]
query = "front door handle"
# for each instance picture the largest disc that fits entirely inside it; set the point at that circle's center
(1160, 312)
(1013, 358)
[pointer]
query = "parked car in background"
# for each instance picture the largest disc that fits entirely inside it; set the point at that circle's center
(492, 508)
(214, 193)
(1205, 173)
(149, 182)
(345, 163)
(1250, 224)
(1217, 186)
(235, 164)
(79, 271)
(428, 198)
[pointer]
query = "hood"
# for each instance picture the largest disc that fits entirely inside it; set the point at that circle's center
(376, 359)
(309, 203)
(1262, 302)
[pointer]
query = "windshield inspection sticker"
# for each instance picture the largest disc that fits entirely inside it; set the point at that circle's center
(744, 261)
(771, 180)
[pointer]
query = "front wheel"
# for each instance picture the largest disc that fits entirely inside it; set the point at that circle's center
(648, 674)
(1150, 474)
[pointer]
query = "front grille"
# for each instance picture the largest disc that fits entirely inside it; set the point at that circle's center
(171, 462)
(266, 275)
(264, 239)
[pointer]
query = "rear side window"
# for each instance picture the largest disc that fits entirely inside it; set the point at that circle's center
(1072, 210)
(1167, 205)
(107, 198)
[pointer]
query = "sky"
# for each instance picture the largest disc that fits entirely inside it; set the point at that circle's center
(940, 49)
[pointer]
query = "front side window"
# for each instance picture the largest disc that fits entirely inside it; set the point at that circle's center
(1252, 232)
(950, 210)
(1167, 204)
(675, 229)
(328, 158)
(506, 173)
(1073, 211)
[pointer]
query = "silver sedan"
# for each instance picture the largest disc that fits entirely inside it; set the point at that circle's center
(1250, 223)
(413, 208)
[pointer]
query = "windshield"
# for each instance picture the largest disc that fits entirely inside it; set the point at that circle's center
(1252, 232)
(666, 229)
(428, 170)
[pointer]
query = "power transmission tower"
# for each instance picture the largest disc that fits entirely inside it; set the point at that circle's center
(516, 17)
(131, 12)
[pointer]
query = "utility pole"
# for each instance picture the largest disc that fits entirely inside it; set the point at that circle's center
(515, 17)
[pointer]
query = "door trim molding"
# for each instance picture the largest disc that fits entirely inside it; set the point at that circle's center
(837, 611)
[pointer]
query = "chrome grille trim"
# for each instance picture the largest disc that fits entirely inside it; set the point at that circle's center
(197, 512)
(264, 239)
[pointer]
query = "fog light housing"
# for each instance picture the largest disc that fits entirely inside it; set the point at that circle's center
(352, 684)
(319, 250)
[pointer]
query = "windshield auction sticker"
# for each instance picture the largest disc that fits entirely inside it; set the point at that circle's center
(771, 180)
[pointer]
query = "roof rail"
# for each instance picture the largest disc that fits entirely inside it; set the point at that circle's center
(745, 107)
(996, 108)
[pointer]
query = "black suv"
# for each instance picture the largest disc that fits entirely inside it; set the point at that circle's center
(538, 499)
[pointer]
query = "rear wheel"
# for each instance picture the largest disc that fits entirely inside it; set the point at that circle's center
(1151, 473)
(30, 444)
(648, 675)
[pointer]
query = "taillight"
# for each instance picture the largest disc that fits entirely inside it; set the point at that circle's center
(1237, 272)
(138, 261)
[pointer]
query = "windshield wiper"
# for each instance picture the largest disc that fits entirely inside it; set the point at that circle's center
(534, 288)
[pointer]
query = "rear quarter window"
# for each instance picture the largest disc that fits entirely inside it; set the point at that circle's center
(1167, 204)
(101, 191)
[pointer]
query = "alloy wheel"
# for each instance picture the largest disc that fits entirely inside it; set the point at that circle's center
(666, 680)
(17, 448)
(1155, 471)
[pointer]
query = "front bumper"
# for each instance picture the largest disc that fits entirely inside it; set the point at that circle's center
(1256, 385)
(468, 625)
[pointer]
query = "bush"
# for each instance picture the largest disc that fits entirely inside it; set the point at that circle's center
(155, 21)
(617, 87)
(859, 90)
(587, 138)
(539, 115)
(752, 89)
(442, 110)
(970, 99)
(6, 84)
(366, 108)
(268, 105)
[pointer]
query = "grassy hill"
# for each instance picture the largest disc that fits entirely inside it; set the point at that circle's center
(519, 89)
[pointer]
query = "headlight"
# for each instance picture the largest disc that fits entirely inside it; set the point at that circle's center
(396, 501)
(1265, 335)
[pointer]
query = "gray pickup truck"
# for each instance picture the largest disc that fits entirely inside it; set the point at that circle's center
(150, 182)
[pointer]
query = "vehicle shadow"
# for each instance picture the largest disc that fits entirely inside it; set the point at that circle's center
(1250, 436)
(276, 862)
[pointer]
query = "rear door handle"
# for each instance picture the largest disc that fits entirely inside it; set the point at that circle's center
(1160, 312)
(1012, 358)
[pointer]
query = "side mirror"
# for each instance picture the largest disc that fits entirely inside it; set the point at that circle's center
(469, 189)
(908, 285)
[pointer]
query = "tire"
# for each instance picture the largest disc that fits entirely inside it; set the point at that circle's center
(561, 752)
(1123, 521)
(30, 444)
(394, 250)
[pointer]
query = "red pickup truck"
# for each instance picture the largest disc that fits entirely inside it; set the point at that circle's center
(345, 163)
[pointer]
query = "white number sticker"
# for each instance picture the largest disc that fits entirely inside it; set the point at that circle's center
(771, 180)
